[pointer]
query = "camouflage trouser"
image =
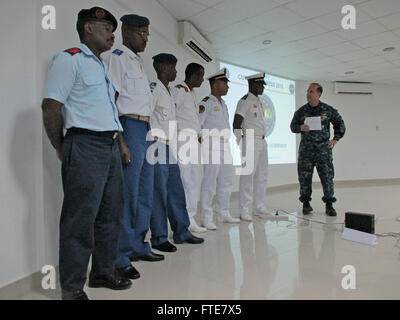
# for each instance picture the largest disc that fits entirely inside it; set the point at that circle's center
(322, 159)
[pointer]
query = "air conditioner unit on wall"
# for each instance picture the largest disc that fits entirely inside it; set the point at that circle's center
(191, 39)
(350, 87)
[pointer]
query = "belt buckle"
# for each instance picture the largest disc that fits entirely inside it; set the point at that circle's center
(115, 135)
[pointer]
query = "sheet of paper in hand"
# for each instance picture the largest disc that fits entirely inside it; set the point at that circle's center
(313, 122)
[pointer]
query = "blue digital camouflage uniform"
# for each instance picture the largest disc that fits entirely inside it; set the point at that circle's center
(314, 149)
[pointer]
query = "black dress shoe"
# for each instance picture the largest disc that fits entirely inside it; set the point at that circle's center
(329, 210)
(74, 295)
(194, 240)
(128, 272)
(110, 281)
(151, 256)
(165, 247)
(307, 209)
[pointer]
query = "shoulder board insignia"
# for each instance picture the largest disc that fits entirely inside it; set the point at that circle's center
(245, 97)
(73, 51)
(152, 86)
(179, 86)
(118, 52)
(205, 99)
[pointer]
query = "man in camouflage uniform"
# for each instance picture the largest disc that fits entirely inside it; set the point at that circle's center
(316, 148)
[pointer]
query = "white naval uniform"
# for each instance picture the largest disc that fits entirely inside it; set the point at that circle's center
(217, 178)
(250, 108)
(163, 115)
(130, 80)
(187, 116)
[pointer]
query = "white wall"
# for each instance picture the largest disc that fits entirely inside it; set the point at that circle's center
(30, 185)
(369, 149)
(21, 199)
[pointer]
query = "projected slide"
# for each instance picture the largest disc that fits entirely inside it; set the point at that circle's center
(279, 105)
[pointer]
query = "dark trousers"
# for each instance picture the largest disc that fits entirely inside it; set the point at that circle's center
(321, 158)
(92, 209)
(169, 201)
(138, 177)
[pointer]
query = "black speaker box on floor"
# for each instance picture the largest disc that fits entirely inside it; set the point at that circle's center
(364, 222)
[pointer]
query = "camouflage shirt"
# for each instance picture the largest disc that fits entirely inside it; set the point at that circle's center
(318, 138)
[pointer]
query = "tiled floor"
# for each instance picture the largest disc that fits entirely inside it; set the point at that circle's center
(292, 259)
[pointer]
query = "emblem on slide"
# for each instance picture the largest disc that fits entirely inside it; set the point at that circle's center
(269, 113)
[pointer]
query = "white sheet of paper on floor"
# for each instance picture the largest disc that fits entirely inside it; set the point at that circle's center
(359, 236)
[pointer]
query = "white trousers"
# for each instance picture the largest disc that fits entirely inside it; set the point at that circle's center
(217, 180)
(253, 186)
(190, 175)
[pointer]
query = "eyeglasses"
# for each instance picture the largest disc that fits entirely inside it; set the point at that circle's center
(143, 34)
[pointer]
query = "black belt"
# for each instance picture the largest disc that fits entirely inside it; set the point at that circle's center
(106, 134)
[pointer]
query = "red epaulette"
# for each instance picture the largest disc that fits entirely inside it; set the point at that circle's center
(186, 89)
(73, 51)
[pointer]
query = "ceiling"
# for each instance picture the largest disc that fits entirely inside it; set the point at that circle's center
(308, 41)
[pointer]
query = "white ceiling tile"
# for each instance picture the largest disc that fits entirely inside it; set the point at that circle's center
(276, 19)
(333, 21)
(379, 8)
(283, 1)
(314, 8)
(302, 30)
(207, 3)
(362, 30)
(308, 42)
(391, 22)
(287, 49)
(339, 48)
(354, 55)
(377, 39)
(326, 61)
(356, 1)
(257, 42)
(181, 10)
(239, 31)
(322, 40)
(339, 68)
(384, 66)
(396, 32)
(239, 10)
(311, 55)
(368, 61)
(211, 20)
(390, 56)
(378, 49)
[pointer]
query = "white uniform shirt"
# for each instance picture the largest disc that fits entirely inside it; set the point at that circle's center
(215, 114)
(164, 111)
(130, 80)
(187, 111)
(250, 108)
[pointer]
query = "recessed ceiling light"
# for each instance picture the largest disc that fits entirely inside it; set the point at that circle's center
(266, 42)
(388, 49)
(349, 72)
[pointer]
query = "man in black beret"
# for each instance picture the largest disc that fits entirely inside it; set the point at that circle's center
(79, 96)
(169, 201)
(134, 103)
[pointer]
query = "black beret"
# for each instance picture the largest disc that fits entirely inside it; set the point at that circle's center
(165, 58)
(97, 13)
(135, 21)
